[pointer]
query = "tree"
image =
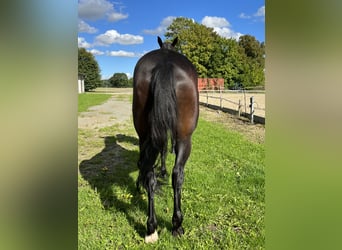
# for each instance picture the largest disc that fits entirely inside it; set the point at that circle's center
(254, 60)
(229, 61)
(89, 68)
(119, 80)
(238, 62)
(130, 82)
(196, 42)
(104, 84)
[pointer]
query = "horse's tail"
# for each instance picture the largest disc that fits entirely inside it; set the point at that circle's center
(163, 115)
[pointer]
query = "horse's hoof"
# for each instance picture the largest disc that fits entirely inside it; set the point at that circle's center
(151, 238)
(178, 232)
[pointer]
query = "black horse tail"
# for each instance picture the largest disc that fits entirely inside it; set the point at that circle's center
(163, 115)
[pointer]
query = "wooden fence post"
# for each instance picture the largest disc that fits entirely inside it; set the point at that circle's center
(252, 109)
(239, 108)
(220, 98)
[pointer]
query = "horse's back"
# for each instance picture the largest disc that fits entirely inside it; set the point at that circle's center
(184, 69)
(185, 84)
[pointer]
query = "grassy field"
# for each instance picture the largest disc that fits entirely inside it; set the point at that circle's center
(87, 100)
(223, 192)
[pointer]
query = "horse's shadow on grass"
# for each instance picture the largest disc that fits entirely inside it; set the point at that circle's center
(111, 168)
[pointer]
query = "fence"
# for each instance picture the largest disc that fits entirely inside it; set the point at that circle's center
(250, 104)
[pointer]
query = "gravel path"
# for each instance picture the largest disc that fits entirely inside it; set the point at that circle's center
(119, 110)
(115, 110)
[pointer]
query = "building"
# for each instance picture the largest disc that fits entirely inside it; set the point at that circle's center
(80, 83)
(210, 83)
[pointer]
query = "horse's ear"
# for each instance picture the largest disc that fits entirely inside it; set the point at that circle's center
(160, 42)
(174, 41)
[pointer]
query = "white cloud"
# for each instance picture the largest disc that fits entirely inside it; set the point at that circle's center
(93, 9)
(221, 26)
(96, 52)
(112, 36)
(214, 21)
(228, 33)
(97, 9)
(113, 17)
(259, 15)
(83, 27)
(121, 53)
(82, 43)
(260, 12)
(244, 16)
(161, 29)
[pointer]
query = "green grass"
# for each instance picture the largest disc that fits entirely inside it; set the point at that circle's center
(87, 100)
(223, 198)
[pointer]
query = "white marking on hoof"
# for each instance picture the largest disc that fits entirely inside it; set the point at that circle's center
(151, 238)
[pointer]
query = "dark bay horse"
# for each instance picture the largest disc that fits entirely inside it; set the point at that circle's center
(165, 105)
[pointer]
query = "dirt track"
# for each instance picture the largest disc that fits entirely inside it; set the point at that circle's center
(115, 110)
(233, 98)
(118, 110)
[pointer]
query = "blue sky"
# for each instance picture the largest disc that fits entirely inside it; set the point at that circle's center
(118, 33)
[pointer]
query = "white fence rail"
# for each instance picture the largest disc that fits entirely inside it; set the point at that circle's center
(250, 104)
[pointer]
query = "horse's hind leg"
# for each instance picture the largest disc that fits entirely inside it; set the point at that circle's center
(152, 234)
(183, 149)
(163, 165)
(148, 156)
